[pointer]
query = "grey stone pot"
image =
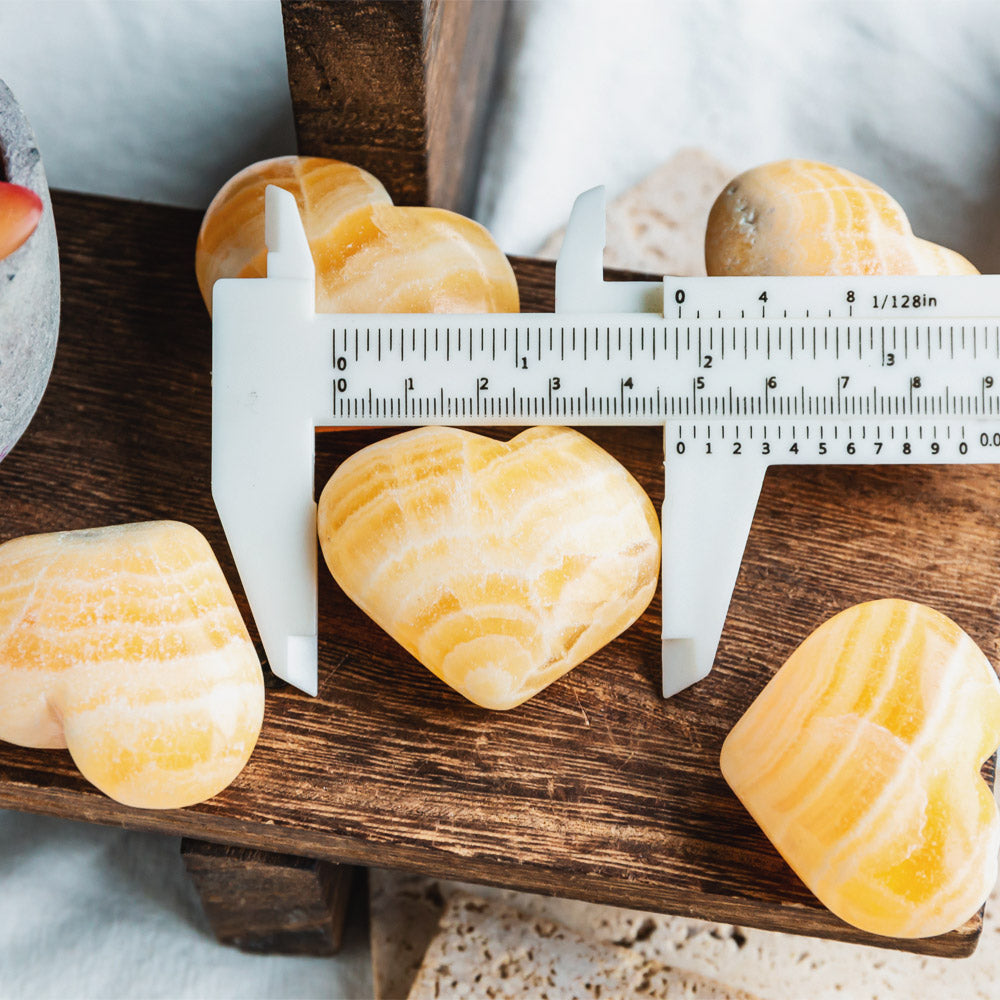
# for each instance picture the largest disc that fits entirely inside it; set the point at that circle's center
(29, 284)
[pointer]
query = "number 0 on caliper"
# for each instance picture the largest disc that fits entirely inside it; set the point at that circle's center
(741, 373)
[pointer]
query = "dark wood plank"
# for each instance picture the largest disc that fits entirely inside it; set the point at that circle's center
(269, 903)
(398, 87)
(597, 788)
(461, 47)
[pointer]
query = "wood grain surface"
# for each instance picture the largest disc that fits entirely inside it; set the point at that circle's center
(595, 789)
(398, 87)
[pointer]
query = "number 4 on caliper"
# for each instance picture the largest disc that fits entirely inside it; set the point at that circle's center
(739, 375)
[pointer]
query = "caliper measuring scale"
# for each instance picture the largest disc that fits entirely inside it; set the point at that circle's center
(741, 373)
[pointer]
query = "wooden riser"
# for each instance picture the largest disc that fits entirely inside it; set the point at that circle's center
(597, 788)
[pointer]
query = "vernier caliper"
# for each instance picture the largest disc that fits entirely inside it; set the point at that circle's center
(741, 373)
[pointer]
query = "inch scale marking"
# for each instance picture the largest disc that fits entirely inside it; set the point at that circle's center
(741, 373)
(855, 370)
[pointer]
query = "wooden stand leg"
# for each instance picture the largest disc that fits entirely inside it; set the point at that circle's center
(273, 903)
(398, 87)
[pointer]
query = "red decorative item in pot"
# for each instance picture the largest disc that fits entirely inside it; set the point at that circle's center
(20, 210)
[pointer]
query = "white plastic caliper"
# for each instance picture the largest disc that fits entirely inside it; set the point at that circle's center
(741, 373)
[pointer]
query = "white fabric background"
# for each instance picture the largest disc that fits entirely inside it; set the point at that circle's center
(907, 94)
(163, 100)
(160, 100)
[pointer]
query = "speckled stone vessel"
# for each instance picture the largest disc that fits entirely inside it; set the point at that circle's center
(29, 284)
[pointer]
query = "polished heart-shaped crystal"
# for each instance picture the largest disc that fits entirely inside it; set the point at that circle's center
(861, 762)
(499, 565)
(371, 256)
(125, 645)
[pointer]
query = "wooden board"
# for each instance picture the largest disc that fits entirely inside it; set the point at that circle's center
(397, 87)
(597, 788)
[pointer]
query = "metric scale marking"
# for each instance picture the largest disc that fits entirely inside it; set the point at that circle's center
(741, 373)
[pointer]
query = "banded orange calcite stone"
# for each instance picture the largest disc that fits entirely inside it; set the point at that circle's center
(807, 218)
(500, 566)
(861, 762)
(125, 645)
(370, 255)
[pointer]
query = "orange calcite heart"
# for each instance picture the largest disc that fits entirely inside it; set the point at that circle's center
(125, 645)
(500, 566)
(861, 762)
(802, 217)
(370, 256)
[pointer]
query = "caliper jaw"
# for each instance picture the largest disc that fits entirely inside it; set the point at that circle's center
(266, 352)
(708, 508)
(269, 394)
